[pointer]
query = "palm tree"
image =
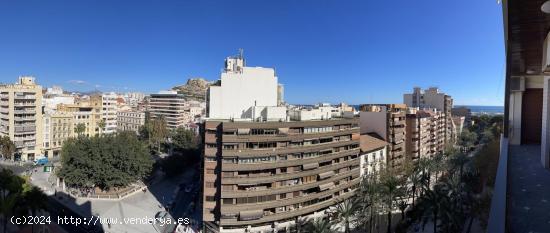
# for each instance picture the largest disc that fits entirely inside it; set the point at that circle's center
(390, 185)
(425, 166)
(458, 161)
(101, 126)
(35, 200)
(299, 223)
(438, 165)
(79, 129)
(402, 207)
(415, 179)
(433, 202)
(368, 201)
(345, 211)
(7, 206)
(319, 225)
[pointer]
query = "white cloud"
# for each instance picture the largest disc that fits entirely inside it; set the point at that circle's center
(77, 82)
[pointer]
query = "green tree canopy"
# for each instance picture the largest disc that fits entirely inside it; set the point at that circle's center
(105, 162)
(7, 147)
(155, 131)
(80, 128)
(183, 139)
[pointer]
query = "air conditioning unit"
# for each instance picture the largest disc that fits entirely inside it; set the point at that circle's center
(517, 84)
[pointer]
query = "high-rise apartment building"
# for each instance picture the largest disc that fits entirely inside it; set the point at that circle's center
(389, 122)
(265, 170)
(21, 116)
(169, 105)
(260, 176)
(433, 98)
(425, 133)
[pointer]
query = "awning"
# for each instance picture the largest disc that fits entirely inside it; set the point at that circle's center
(251, 215)
(326, 186)
(310, 166)
(283, 130)
(243, 131)
(325, 175)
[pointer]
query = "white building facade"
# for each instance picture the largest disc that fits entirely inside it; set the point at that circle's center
(109, 111)
(241, 87)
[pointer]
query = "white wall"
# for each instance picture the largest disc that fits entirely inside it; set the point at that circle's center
(50, 104)
(373, 161)
(370, 122)
(309, 114)
(515, 118)
(254, 86)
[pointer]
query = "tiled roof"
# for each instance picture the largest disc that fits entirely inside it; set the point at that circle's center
(370, 142)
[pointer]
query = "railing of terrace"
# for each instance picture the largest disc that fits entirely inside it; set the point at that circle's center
(497, 216)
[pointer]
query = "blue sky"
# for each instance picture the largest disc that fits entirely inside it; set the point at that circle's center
(354, 51)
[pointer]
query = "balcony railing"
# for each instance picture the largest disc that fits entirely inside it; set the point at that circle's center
(497, 216)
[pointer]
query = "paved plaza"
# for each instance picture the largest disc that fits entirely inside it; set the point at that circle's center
(141, 206)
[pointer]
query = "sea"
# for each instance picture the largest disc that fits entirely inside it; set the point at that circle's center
(481, 110)
(477, 109)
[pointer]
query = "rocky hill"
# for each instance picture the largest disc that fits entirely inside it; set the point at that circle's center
(194, 89)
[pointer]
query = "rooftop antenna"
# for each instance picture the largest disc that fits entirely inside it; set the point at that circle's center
(241, 53)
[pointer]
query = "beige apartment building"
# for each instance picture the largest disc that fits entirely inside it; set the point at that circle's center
(262, 176)
(130, 120)
(83, 113)
(107, 103)
(170, 106)
(389, 122)
(21, 116)
(58, 127)
(433, 98)
(425, 133)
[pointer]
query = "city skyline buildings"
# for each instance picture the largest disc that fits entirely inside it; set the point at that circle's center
(133, 56)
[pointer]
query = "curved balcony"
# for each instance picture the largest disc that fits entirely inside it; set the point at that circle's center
(285, 150)
(287, 163)
(290, 188)
(287, 176)
(289, 124)
(285, 202)
(290, 214)
(286, 137)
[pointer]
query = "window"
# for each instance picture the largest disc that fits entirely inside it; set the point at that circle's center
(228, 201)
(229, 146)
